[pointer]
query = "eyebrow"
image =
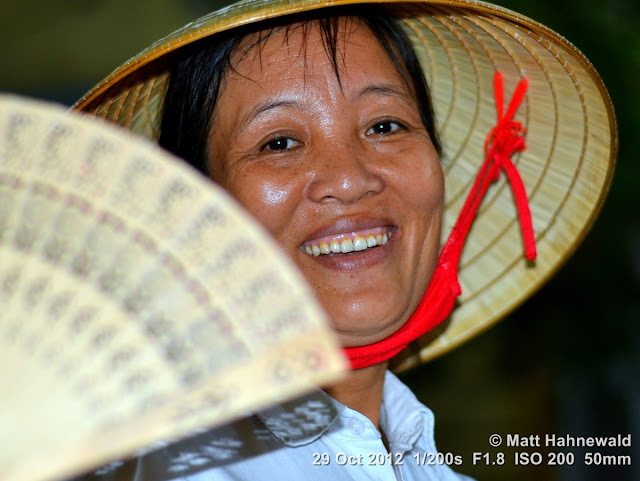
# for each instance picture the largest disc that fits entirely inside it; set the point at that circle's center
(387, 90)
(264, 107)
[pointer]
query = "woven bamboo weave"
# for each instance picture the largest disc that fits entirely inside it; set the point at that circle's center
(566, 169)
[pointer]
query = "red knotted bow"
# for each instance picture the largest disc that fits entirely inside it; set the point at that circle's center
(504, 140)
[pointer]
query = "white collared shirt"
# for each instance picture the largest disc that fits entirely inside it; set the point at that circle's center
(311, 438)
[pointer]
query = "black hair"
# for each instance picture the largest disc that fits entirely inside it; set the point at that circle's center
(197, 76)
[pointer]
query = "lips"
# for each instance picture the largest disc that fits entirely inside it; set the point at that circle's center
(349, 244)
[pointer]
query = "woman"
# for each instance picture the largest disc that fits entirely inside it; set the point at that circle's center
(320, 124)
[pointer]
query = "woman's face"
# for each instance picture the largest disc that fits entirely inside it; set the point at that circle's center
(341, 172)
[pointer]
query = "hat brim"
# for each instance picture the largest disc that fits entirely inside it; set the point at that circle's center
(566, 168)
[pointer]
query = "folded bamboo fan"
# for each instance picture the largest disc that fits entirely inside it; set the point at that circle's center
(138, 302)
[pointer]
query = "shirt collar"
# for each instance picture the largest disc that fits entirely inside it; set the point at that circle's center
(302, 420)
(403, 418)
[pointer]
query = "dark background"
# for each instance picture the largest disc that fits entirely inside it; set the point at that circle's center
(567, 361)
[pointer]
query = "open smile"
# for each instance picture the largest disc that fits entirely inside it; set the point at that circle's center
(348, 242)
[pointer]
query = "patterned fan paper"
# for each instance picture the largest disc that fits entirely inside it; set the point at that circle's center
(138, 301)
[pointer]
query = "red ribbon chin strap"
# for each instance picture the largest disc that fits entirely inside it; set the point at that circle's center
(503, 141)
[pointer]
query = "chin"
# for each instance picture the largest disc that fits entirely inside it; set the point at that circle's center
(356, 326)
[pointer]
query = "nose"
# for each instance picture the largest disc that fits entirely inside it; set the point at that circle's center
(343, 172)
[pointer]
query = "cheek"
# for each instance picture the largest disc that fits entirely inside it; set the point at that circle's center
(272, 200)
(433, 189)
(423, 190)
(274, 195)
(423, 205)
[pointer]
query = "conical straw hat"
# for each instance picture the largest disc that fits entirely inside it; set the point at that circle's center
(566, 168)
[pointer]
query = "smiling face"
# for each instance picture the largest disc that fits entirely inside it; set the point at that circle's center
(342, 172)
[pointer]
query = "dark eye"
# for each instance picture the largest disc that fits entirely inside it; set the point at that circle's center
(281, 143)
(383, 127)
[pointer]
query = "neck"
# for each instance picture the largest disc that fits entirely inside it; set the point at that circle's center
(361, 391)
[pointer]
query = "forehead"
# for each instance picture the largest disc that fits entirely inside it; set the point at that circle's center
(344, 44)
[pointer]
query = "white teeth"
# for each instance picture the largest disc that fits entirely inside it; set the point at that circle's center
(324, 248)
(346, 246)
(359, 244)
